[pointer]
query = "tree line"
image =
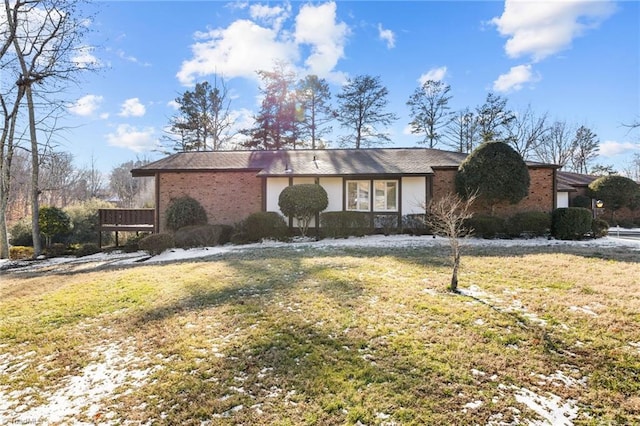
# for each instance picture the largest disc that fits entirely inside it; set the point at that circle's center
(301, 114)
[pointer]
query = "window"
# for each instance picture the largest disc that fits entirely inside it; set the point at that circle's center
(385, 195)
(358, 195)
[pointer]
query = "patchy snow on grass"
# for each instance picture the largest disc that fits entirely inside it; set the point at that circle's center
(79, 395)
(118, 258)
(115, 368)
(551, 408)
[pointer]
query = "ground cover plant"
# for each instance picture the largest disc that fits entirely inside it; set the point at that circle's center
(298, 334)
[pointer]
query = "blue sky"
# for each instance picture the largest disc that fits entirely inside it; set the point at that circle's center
(575, 60)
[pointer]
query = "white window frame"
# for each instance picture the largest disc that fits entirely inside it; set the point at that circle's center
(384, 198)
(358, 204)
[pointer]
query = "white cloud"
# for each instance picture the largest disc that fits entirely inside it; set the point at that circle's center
(515, 79)
(436, 74)
(173, 104)
(387, 36)
(541, 29)
(86, 105)
(236, 51)
(272, 16)
(130, 137)
(84, 58)
(132, 108)
(613, 148)
(246, 46)
(317, 26)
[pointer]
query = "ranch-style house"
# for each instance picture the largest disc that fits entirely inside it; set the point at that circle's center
(387, 183)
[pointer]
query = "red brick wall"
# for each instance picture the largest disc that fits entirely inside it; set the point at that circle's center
(227, 197)
(541, 191)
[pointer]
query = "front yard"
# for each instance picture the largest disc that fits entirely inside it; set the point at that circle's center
(304, 334)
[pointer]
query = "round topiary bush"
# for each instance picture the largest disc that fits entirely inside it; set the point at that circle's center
(496, 173)
(184, 211)
(303, 202)
(571, 223)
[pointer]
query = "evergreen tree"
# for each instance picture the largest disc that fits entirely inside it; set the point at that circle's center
(314, 110)
(276, 124)
(361, 109)
(494, 172)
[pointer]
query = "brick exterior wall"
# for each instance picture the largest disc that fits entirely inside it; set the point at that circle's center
(541, 191)
(227, 197)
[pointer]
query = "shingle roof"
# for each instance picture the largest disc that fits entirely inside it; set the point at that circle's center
(329, 162)
(568, 181)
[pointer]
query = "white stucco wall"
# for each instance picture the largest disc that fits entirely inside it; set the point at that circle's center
(274, 188)
(562, 199)
(333, 186)
(413, 194)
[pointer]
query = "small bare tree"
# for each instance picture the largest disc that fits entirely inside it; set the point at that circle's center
(446, 217)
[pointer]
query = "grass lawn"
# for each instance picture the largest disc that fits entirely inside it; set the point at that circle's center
(292, 335)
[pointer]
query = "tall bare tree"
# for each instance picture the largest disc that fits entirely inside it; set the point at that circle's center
(462, 133)
(46, 39)
(429, 106)
(556, 146)
(362, 109)
(526, 131)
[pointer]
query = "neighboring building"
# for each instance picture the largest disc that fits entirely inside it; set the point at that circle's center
(571, 185)
(388, 183)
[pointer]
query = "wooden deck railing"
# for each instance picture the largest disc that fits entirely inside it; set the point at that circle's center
(125, 220)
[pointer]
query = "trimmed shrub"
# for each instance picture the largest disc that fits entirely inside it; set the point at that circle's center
(261, 226)
(599, 228)
(486, 226)
(87, 249)
(132, 243)
(303, 202)
(185, 211)
(21, 233)
(155, 244)
(571, 223)
(415, 224)
(345, 224)
(56, 250)
(581, 201)
(496, 173)
(529, 224)
(202, 236)
(20, 252)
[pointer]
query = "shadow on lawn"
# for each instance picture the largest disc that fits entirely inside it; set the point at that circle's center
(257, 276)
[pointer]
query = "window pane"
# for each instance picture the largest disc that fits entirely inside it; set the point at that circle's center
(352, 195)
(358, 195)
(363, 195)
(380, 196)
(391, 196)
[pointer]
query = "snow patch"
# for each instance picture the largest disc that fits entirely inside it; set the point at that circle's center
(81, 394)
